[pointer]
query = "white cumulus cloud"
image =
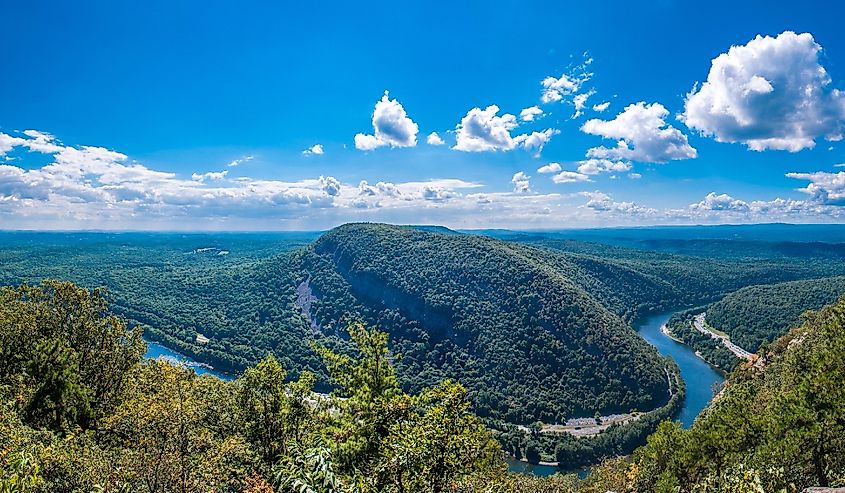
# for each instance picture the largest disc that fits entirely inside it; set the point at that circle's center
(434, 139)
(598, 108)
(535, 141)
(521, 182)
(557, 88)
(570, 177)
(771, 93)
(720, 202)
(825, 188)
(530, 114)
(549, 168)
(643, 135)
(580, 102)
(596, 166)
(211, 175)
(391, 125)
(316, 149)
(483, 130)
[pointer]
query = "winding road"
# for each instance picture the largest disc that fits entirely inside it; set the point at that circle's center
(700, 324)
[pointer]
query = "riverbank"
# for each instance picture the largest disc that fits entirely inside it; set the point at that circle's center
(585, 427)
(698, 375)
(156, 350)
(700, 323)
(665, 330)
(691, 390)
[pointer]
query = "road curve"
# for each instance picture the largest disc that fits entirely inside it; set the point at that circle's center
(700, 324)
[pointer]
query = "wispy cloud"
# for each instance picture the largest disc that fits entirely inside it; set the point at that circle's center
(240, 161)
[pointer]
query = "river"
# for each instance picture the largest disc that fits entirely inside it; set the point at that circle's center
(700, 378)
(156, 351)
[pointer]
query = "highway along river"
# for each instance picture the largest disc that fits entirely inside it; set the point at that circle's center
(700, 378)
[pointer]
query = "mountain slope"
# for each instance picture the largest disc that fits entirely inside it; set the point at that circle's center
(528, 340)
(457, 305)
(778, 426)
(755, 315)
(634, 282)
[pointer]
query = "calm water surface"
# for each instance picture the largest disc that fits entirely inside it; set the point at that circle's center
(700, 378)
(156, 351)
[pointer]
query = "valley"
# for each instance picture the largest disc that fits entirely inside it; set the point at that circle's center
(538, 327)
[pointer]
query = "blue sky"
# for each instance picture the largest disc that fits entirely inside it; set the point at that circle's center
(134, 113)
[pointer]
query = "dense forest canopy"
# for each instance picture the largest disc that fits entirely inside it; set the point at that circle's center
(455, 305)
(757, 315)
(517, 330)
(82, 412)
(777, 427)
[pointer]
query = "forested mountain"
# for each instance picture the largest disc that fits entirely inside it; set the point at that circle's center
(518, 330)
(757, 315)
(535, 328)
(668, 280)
(80, 410)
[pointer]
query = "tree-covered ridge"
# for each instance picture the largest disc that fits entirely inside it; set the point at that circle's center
(528, 341)
(178, 285)
(662, 281)
(757, 315)
(244, 302)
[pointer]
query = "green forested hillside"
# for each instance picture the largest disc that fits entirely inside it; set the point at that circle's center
(757, 315)
(527, 340)
(179, 285)
(512, 325)
(80, 411)
(668, 281)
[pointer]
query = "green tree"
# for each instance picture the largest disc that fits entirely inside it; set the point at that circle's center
(372, 400)
(274, 411)
(61, 342)
(440, 443)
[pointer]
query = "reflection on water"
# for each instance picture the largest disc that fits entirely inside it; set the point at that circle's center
(540, 470)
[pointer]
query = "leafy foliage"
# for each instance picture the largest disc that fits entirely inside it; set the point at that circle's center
(166, 429)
